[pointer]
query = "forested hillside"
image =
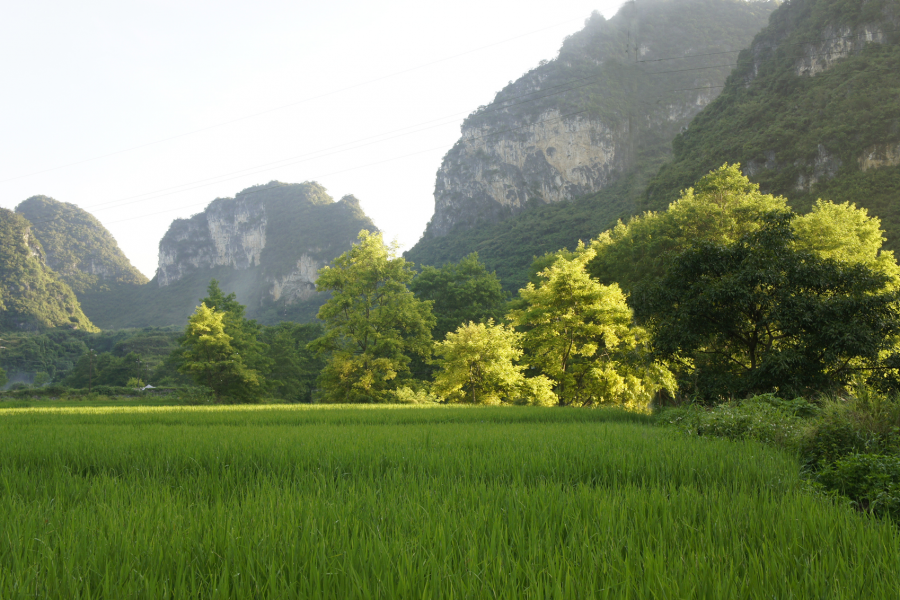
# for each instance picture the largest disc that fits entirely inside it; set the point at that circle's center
(31, 295)
(812, 110)
(570, 146)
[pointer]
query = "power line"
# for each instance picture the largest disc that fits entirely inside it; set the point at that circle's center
(561, 117)
(504, 105)
(284, 106)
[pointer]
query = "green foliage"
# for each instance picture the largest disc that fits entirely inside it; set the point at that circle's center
(295, 368)
(478, 365)
(464, 502)
(722, 207)
(210, 358)
(763, 418)
(32, 298)
(807, 135)
(372, 323)
(871, 481)
(3, 378)
(580, 334)
(78, 247)
(759, 315)
(459, 293)
(104, 368)
(848, 427)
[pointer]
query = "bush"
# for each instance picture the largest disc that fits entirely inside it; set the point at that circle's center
(847, 427)
(407, 395)
(765, 418)
(871, 481)
(196, 395)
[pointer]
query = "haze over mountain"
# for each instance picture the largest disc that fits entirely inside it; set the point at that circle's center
(591, 126)
(266, 244)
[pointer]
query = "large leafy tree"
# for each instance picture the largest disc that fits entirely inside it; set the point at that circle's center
(373, 322)
(762, 314)
(207, 355)
(295, 367)
(478, 364)
(721, 208)
(580, 334)
(460, 292)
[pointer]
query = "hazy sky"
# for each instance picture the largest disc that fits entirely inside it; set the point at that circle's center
(143, 112)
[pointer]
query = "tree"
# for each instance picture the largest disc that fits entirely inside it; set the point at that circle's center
(372, 322)
(3, 378)
(295, 367)
(761, 314)
(460, 292)
(580, 334)
(723, 206)
(209, 357)
(847, 234)
(478, 365)
(243, 332)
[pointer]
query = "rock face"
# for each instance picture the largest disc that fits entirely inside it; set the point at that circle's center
(78, 247)
(810, 112)
(266, 244)
(613, 99)
(230, 232)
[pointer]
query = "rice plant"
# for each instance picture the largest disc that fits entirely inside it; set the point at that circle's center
(436, 502)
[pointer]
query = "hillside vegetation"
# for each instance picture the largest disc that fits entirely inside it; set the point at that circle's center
(810, 111)
(634, 81)
(32, 297)
(78, 247)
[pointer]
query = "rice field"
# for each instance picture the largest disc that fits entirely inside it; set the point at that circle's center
(403, 502)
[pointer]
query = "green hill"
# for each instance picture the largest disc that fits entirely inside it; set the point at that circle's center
(569, 147)
(266, 244)
(32, 297)
(811, 111)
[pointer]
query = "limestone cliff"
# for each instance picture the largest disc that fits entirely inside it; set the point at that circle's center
(610, 103)
(266, 244)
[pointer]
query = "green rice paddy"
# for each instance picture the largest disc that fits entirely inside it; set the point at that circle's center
(438, 502)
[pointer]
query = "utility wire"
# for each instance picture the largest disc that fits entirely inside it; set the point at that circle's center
(280, 184)
(284, 106)
(561, 88)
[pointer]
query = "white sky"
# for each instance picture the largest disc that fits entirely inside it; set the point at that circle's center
(142, 112)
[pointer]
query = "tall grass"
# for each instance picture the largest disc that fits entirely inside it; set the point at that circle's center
(413, 502)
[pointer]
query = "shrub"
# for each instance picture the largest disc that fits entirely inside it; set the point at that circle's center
(196, 395)
(871, 481)
(764, 418)
(848, 427)
(407, 395)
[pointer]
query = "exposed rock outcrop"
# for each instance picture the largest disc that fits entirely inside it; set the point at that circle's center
(611, 101)
(230, 232)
